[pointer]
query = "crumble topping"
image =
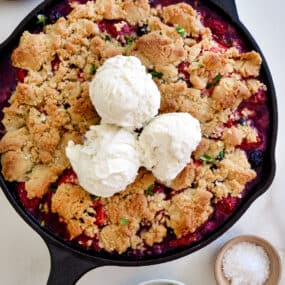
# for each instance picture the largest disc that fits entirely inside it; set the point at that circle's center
(189, 210)
(74, 206)
(194, 74)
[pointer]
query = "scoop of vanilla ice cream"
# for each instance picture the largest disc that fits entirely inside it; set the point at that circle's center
(123, 93)
(166, 144)
(107, 161)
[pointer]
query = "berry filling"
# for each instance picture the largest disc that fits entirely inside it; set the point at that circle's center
(116, 29)
(21, 74)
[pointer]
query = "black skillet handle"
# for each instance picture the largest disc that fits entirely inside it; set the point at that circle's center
(67, 267)
(229, 6)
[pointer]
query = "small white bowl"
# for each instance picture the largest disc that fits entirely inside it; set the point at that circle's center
(161, 282)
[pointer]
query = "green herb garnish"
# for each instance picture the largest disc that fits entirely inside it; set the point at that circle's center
(41, 206)
(43, 223)
(207, 159)
(221, 155)
(42, 19)
(215, 81)
(124, 221)
(156, 74)
(149, 190)
(129, 41)
(180, 31)
(107, 38)
(92, 69)
(94, 197)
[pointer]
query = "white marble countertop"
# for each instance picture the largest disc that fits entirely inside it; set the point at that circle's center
(24, 258)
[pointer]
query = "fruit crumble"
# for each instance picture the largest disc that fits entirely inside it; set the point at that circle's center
(200, 65)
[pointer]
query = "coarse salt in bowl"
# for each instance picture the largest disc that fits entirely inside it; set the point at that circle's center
(242, 258)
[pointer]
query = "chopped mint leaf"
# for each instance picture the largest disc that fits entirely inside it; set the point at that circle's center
(129, 41)
(221, 155)
(207, 159)
(107, 38)
(41, 206)
(149, 190)
(94, 197)
(92, 69)
(43, 223)
(124, 221)
(180, 31)
(215, 81)
(156, 74)
(42, 19)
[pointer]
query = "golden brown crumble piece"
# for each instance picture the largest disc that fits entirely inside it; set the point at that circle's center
(248, 64)
(198, 82)
(136, 11)
(237, 166)
(254, 85)
(27, 94)
(209, 147)
(14, 140)
(169, 72)
(216, 62)
(177, 97)
(184, 16)
(15, 159)
(229, 93)
(234, 171)
(33, 51)
(60, 157)
(105, 49)
(87, 11)
(185, 178)
(40, 179)
(214, 128)
(120, 237)
(156, 25)
(109, 10)
(14, 116)
(234, 136)
(133, 203)
(16, 165)
(229, 176)
(157, 49)
(74, 206)
(154, 235)
(143, 180)
(189, 210)
(44, 137)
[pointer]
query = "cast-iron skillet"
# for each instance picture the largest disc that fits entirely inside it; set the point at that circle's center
(69, 262)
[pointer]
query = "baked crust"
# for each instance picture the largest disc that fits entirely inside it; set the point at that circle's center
(74, 205)
(189, 210)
